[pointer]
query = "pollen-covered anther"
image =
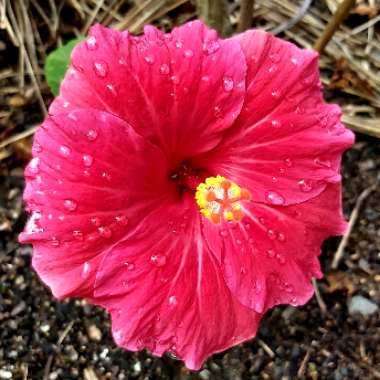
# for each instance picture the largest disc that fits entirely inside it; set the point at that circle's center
(220, 199)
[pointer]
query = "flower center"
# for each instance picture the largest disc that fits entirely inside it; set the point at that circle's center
(220, 199)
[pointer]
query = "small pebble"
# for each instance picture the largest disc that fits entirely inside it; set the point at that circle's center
(362, 305)
(94, 333)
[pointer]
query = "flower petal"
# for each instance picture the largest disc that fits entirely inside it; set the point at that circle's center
(270, 257)
(165, 290)
(91, 179)
(287, 143)
(180, 90)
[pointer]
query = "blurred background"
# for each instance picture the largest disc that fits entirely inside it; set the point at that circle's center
(336, 336)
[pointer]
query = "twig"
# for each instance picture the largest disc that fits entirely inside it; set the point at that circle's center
(18, 136)
(295, 19)
(301, 370)
(214, 13)
(266, 348)
(246, 15)
(318, 296)
(61, 338)
(354, 215)
(338, 17)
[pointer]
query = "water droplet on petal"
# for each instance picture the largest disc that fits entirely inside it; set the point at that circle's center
(111, 89)
(271, 234)
(37, 148)
(305, 185)
(223, 233)
(95, 221)
(106, 176)
(275, 198)
(149, 59)
(228, 84)
(294, 60)
(164, 69)
(276, 93)
(272, 69)
(122, 220)
(211, 47)
(70, 205)
(64, 151)
(34, 165)
(174, 79)
(271, 253)
(173, 301)
(105, 232)
(188, 53)
(129, 265)
(288, 162)
(158, 260)
(78, 235)
(92, 134)
(280, 258)
(55, 242)
(91, 43)
(281, 236)
(276, 123)
(274, 179)
(87, 160)
(100, 68)
(179, 44)
(205, 78)
(322, 163)
(86, 269)
(275, 57)
(217, 111)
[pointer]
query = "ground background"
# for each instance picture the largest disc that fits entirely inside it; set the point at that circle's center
(44, 339)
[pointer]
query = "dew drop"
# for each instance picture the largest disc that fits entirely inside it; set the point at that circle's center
(122, 220)
(87, 160)
(205, 78)
(274, 179)
(228, 84)
(188, 53)
(122, 62)
(271, 253)
(105, 232)
(294, 60)
(288, 162)
(276, 123)
(322, 163)
(174, 79)
(34, 165)
(275, 57)
(92, 134)
(100, 68)
(91, 43)
(271, 234)
(129, 265)
(86, 269)
(111, 89)
(55, 242)
(211, 47)
(64, 151)
(72, 116)
(149, 59)
(223, 233)
(164, 69)
(69, 205)
(217, 111)
(78, 235)
(276, 93)
(179, 44)
(280, 258)
(158, 260)
(95, 221)
(275, 198)
(272, 69)
(305, 185)
(281, 236)
(37, 148)
(106, 176)
(173, 301)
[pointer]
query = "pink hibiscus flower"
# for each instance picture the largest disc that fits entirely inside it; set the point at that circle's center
(185, 183)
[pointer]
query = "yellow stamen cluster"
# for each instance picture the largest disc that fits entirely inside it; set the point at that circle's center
(218, 199)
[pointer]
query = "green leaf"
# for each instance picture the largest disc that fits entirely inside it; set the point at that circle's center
(57, 62)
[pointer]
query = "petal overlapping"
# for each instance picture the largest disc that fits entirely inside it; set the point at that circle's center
(165, 291)
(81, 201)
(286, 144)
(270, 257)
(179, 90)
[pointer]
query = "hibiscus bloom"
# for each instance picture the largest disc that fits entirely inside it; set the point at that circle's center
(185, 183)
